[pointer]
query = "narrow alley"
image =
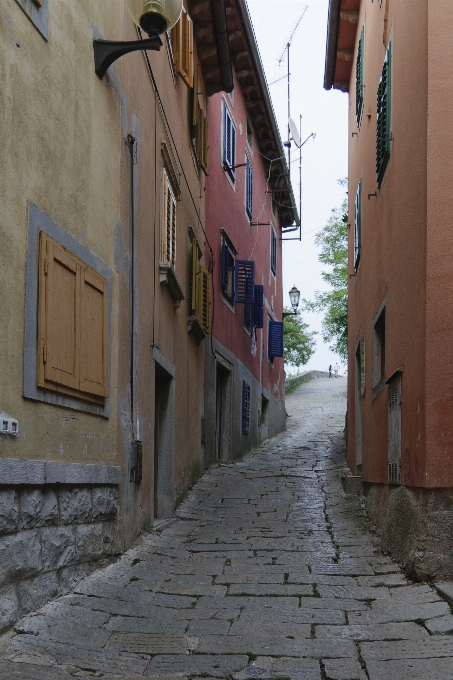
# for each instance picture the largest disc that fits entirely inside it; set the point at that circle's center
(267, 571)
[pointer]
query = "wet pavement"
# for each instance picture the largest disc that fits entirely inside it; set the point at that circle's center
(268, 571)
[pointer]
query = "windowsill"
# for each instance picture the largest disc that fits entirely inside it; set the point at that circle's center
(169, 278)
(377, 389)
(193, 326)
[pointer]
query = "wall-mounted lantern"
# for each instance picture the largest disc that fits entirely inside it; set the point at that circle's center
(294, 296)
(153, 16)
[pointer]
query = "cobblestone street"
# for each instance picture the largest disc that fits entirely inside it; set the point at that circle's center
(268, 571)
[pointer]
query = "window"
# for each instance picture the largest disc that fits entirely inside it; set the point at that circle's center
(273, 251)
(38, 13)
(245, 407)
(227, 272)
(359, 79)
(201, 289)
(182, 47)
(379, 349)
(383, 126)
(72, 324)
(358, 225)
(229, 143)
(168, 252)
(248, 188)
(275, 348)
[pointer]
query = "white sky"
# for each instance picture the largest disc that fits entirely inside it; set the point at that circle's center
(325, 159)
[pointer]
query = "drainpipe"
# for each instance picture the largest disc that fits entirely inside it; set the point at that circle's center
(221, 32)
(333, 26)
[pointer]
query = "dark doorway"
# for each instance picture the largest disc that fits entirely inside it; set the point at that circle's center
(163, 444)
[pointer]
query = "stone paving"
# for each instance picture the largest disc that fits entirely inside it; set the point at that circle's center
(268, 571)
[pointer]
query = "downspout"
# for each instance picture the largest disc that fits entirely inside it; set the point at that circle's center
(221, 33)
(333, 26)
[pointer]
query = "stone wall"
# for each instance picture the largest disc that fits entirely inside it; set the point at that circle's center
(416, 527)
(52, 533)
(293, 382)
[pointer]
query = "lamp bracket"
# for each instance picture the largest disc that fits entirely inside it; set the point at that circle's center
(108, 51)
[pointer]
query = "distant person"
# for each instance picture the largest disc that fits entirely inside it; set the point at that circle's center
(336, 368)
(330, 370)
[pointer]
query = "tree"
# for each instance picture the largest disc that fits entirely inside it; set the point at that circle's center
(333, 240)
(299, 344)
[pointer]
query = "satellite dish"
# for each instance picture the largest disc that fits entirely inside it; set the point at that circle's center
(294, 133)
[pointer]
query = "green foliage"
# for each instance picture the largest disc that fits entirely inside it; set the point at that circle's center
(333, 241)
(298, 342)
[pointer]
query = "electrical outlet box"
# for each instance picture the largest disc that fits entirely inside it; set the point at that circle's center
(9, 426)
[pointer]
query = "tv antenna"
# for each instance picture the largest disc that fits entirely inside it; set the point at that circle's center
(286, 51)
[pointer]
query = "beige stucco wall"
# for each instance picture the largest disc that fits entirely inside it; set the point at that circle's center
(61, 149)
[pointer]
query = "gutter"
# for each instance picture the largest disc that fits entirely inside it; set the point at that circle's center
(221, 33)
(333, 26)
(258, 65)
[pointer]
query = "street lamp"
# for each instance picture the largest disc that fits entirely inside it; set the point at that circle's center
(294, 296)
(153, 16)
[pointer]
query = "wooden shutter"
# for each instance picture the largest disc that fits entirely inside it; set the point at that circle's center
(359, 78)
(182, 46)
(195, 105)
(202, 141)
(204, 295)
(58, 315)
(168, 246)
(258, 306)
(383, 124)
(245, 407)
(72, 324)
(194, 270)
(275, 339)
(244, 280)
(93, 333)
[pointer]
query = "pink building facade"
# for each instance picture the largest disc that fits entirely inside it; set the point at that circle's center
(393, 58)
(248, 204)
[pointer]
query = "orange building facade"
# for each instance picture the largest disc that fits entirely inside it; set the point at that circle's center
(393, 57)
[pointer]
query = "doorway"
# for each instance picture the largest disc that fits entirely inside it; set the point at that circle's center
(394, 431)
(358, 408)
(223, 413)
(163, 444)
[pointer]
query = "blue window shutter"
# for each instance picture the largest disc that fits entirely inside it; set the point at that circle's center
(233, 146)
(275, 339)
(224, 274)
(258, 305)
(244, 279)
(248, 188)
(245, 407)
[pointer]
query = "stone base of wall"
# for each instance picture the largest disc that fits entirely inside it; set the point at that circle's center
(52, 534)
(416, 527)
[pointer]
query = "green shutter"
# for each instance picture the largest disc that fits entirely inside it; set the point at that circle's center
(383, 126)
(359, 78)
